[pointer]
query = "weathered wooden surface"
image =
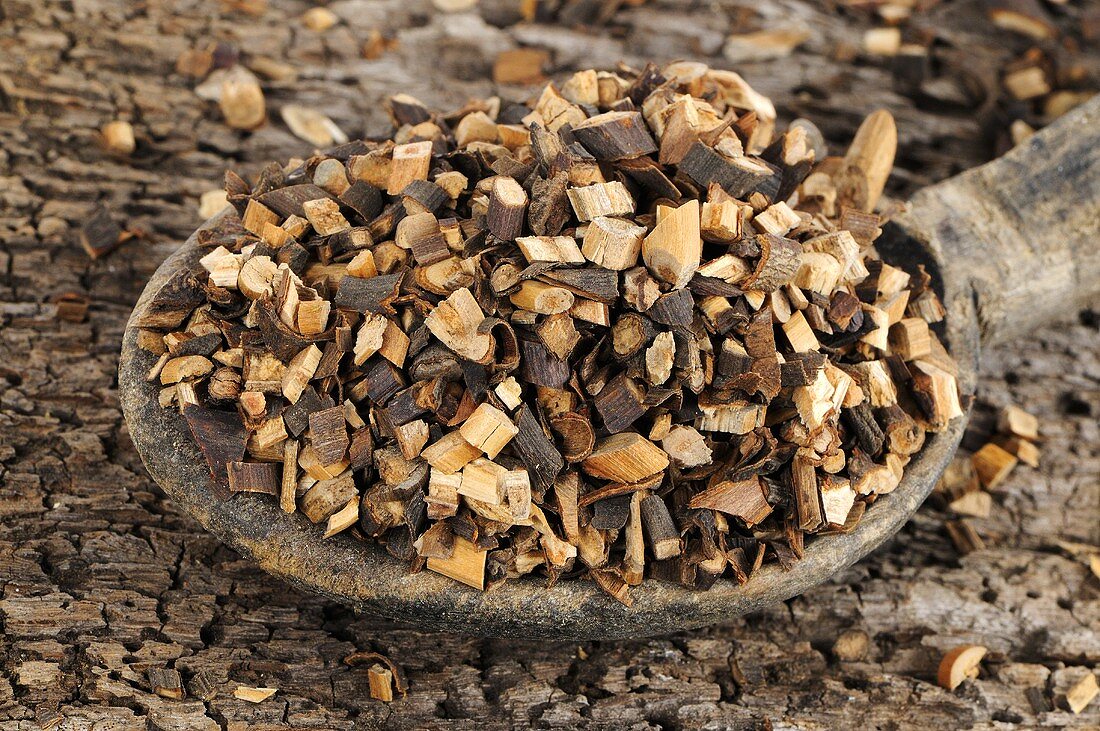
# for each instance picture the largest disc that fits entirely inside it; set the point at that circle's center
(101, 578)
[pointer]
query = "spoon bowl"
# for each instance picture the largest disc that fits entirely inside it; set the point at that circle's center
(999, 242)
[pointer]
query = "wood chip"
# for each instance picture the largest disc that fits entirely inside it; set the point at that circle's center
(311, 125)
(673, 248)
(960, 664)
(465, 564)
(992, 465)
(626, 457)
(1075, 688)
(381, 683)
(615, 135)
(507, 208)
(601, 199)
(489, 429)
(253, 695)
(744, 499)
(241, 100)
(118, 136)
(409, 162)
(1014, 421)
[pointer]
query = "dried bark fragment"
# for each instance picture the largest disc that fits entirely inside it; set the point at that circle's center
(99, 234)
(779, 260)
(507, 209)
(620, 403)
(542, 458)
(172, 303)
(737, 176)
(329, 434)
(549, 208)
(368, 295)
(220, 436)
(615, 135)
(664, 538)
(259, 477)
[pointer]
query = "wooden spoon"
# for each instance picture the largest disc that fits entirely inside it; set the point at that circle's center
(1011, 245)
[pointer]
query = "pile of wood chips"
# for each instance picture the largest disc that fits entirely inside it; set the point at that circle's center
(623, 327)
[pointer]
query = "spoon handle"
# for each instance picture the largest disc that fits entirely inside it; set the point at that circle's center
(1022, 233)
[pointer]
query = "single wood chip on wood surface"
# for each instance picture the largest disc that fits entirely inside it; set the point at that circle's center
(311, 125)
(253, 695)
(1075, 688)
(99, 233)
(375, 663)
(241, 99)
(381, 683)
(961, 663)
(118, 136)
(611, 333)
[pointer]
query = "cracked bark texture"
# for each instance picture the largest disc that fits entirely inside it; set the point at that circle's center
(101, 578)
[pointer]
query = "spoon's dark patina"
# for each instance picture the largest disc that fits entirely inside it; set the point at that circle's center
(1011, 245)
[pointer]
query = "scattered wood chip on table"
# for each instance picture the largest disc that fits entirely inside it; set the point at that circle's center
(1007, 438)
(1074, 688)
(625, 331)
(253, 695)
(960, 664)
